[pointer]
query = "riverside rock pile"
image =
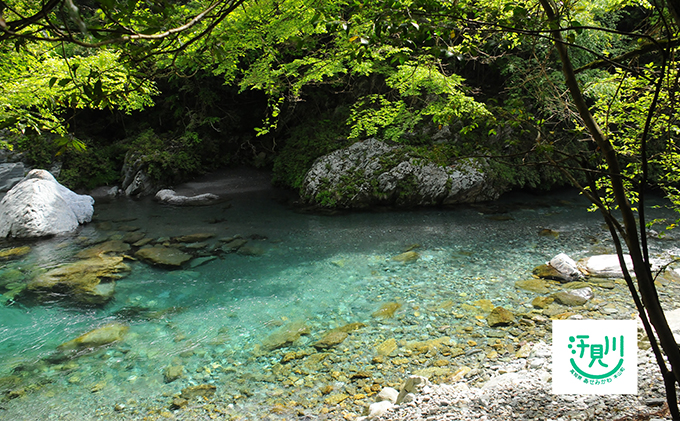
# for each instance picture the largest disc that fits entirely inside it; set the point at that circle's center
(521, 390)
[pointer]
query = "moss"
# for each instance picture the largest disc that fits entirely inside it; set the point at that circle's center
(311, 139)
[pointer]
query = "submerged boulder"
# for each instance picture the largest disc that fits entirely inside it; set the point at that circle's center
(39, 206)
(163, 256)
(107, 334)
(89, 281)
(286, 335)
(373, 173)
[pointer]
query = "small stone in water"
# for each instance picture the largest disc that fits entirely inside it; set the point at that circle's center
(331, 339)
(407, 257)
(500, 317)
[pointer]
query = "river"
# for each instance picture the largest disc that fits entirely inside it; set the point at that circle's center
(219, 320)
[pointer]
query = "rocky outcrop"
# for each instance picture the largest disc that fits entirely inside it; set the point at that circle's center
(169, 197)
(39, 206)
(373, 173)
(10, 175)
(136, 180)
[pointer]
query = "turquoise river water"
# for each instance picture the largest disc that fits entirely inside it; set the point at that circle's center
(213, 319)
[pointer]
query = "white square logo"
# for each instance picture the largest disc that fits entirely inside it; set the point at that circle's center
(596, 357)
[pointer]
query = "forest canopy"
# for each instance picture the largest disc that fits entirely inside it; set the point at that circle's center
(397, 69)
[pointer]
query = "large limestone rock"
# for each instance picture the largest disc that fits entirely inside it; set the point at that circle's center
(39, 206)
(606, 265)
(372, 173)
(89, 281)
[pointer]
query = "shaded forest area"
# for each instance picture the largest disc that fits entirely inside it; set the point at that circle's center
(277, 84)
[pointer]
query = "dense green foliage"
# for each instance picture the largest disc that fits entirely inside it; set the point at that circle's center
(180, 81)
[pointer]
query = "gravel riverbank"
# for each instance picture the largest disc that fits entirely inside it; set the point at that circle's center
(522, 391)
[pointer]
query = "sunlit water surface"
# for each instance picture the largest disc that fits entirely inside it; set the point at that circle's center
(327, 271)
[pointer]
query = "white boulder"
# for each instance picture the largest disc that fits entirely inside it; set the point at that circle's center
(608, 265)
(39, 206)
(566, 267)
(378, 409)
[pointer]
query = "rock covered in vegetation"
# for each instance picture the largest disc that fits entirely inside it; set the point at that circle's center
(373, 173)
(169, 197)
(39, 206)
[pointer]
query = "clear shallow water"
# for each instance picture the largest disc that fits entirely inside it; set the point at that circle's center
(324, 271)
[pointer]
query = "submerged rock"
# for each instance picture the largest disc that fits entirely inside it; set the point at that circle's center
(533, 285)
(285, 336)
(192, 392)
(386, 348)
(500, 317)
(387, 310)
(406, 257)
(331, 339)
(14, 252)
(163, 256)
(107, 247)
(193, 238)
(39, 206)
(172, 373)
(107, 334)
(89, 281)
(542, 302)
(574, 297)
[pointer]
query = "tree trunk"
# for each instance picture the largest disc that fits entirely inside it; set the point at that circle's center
(645, 279)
